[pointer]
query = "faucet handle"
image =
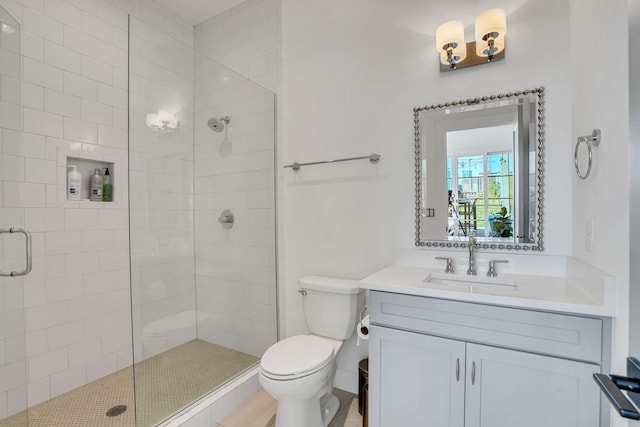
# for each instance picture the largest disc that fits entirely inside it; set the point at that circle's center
(449, 268)
(492, 267)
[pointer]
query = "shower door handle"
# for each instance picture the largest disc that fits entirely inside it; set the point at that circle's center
(27, 237)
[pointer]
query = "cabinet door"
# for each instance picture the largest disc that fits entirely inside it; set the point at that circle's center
(415, 380)
(511, 388)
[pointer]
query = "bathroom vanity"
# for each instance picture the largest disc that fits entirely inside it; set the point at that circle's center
(516, 351)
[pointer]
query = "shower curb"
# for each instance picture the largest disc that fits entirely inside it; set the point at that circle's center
(219, 403)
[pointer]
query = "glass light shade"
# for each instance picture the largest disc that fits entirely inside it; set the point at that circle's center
(167, 119)
(491, 21)
(451, 32)
(153, 122)
(163, 121)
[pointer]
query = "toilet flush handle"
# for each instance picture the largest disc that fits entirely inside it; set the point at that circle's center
(302, 292)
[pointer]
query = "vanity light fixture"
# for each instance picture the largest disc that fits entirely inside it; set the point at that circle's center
(489, 45)
(164, 121)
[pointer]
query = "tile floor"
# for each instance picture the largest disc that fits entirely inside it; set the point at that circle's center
(260, 411)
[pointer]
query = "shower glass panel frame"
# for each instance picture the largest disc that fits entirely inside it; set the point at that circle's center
(13, 356)
(203, 295)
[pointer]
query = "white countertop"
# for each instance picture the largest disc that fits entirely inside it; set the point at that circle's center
(586, 295)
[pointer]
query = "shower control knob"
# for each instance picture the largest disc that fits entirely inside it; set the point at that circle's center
(226, 219)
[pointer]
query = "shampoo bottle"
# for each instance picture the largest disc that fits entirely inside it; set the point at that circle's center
(96, 186)
(74, 183)
(107, 195)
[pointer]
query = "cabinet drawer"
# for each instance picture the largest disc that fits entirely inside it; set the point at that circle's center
(566, 336)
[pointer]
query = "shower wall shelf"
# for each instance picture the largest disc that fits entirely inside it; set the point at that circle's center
(86, 167)
(87, 160)
(373, 158)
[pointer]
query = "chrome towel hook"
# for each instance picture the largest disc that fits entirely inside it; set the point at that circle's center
(589, 141)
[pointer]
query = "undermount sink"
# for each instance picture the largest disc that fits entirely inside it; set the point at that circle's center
(460, 280)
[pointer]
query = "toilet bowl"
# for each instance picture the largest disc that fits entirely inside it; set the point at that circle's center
(298, 371)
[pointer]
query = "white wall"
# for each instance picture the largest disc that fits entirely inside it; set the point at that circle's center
(600, 100)
(634, 157)
(352, 74)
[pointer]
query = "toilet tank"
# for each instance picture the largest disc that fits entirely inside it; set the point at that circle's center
(330, 305)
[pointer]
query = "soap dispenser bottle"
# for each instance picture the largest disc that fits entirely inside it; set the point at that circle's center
(96, 186)
(74, 183)
(107, 194)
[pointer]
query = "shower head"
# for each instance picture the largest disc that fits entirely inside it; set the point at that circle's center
(217, 125)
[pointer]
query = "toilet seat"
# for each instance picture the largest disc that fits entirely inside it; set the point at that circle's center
(296, 357)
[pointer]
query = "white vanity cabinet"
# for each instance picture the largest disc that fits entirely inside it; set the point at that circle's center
(515, 388)
(412, 375)
(444, 363)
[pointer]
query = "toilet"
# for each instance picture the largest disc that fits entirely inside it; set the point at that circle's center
(298, 371)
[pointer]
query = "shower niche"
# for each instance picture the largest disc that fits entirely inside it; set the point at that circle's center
(86, 168)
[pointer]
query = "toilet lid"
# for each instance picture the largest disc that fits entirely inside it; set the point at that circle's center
(297, 355)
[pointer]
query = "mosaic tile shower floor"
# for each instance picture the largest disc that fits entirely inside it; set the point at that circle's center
(165, 384)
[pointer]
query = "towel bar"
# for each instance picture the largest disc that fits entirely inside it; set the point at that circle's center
(373, 158)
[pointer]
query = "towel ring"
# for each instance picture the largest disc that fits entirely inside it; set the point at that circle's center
(591, 141)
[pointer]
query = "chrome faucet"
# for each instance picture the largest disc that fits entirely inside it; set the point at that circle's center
(471, 271)
(449, 269)
(492, 267)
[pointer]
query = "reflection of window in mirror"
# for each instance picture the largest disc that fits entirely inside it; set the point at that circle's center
(480, 181)
(478, 164)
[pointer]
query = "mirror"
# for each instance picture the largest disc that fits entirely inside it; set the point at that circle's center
(479, 170)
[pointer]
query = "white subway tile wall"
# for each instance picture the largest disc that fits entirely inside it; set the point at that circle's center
(13, 359)
(234, 169)
(247, 39)
(74, 104)
(163, 277)
(73, 92)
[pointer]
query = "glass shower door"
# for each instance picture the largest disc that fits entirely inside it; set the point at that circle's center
(201, 148)
(15, 244)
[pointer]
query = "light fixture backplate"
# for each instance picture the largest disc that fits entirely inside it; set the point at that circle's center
(473, 59)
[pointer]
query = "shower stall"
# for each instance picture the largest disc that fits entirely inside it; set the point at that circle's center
(138, 307)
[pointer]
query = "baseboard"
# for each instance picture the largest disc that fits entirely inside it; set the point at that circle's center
(346, 380)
